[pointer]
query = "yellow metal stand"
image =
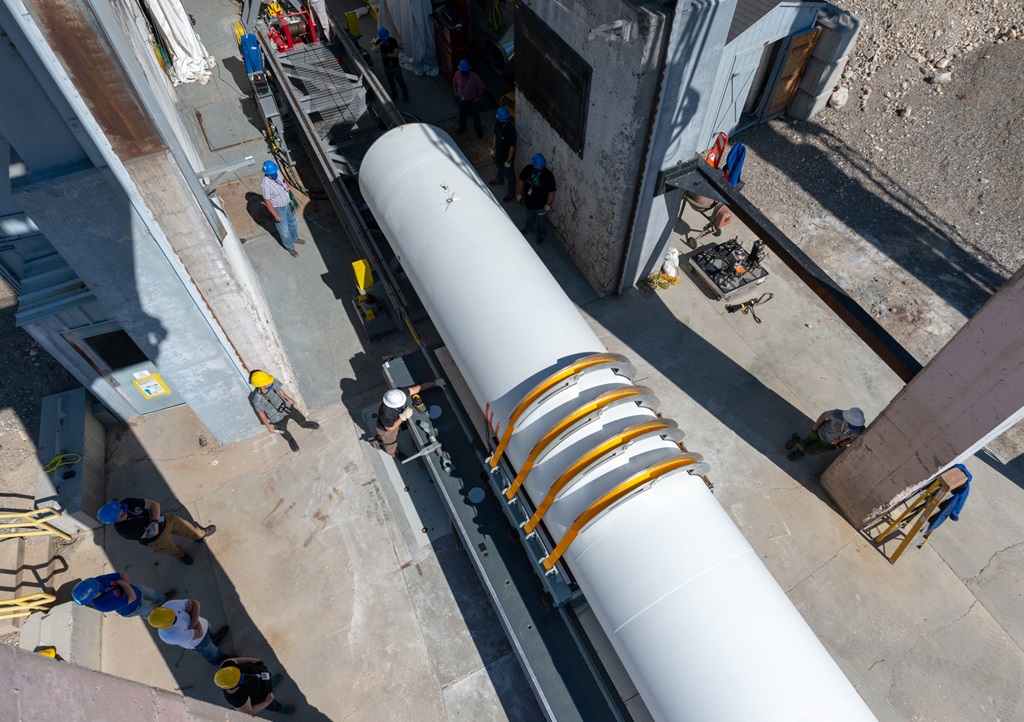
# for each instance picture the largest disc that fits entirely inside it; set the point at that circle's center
(24, 606)
(920, 509)
(31, 523)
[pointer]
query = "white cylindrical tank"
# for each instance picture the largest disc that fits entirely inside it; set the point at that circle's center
(703, 629)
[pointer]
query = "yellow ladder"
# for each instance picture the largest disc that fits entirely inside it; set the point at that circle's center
(920, 509)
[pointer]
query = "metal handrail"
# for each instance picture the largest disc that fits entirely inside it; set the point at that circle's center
(592, 362)
(609, 399)
(637, 481)
(35, 522)
(24, 606)
(600, 453)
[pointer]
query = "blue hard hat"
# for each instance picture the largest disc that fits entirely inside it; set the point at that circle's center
(85, 591)
(383, 34)
(109, 512)
(538, 161)
(503, 113)
(463, 65)
(269, 168)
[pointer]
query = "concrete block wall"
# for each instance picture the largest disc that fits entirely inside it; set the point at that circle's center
(72, 630)
(68, 426)
(595, 193)
(37, 688)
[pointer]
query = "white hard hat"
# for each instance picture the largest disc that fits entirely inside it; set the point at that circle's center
(854, 416)
(394, 398)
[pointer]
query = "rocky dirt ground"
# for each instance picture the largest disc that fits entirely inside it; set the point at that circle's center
(909, 194)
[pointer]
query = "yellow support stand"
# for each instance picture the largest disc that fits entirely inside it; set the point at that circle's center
(24, 606)
(920, 509)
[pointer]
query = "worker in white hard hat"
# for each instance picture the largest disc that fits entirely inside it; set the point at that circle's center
(832, 431)
(395, 410)
(275, 407)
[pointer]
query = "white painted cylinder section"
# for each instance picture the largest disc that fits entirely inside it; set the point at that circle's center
(702, 627)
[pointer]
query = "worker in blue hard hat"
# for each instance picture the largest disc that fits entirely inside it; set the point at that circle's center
(834, 430)
(142, 520)
(278, 198)
(536, 187)
(503, 150)
(115, 593)
(387, 46)
(469, 89)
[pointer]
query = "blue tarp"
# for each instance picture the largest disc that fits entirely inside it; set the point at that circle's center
(251, 54)
(734, 165)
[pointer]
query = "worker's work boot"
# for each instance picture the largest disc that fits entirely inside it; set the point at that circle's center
(293, 445)
(792, 441)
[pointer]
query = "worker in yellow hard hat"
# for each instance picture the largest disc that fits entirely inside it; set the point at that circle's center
(275, 407)
(249, 687)
(178, 622)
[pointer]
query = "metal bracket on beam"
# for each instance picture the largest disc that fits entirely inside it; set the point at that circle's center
(615, 30)
(213, 176)
(681, 177)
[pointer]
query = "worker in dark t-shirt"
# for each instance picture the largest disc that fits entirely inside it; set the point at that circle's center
(387, 46)
(537, 184)
(503, 150)
(248, 686)
(140, 520)
(393, 412)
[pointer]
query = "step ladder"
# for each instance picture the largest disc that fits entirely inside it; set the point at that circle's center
(919, 510)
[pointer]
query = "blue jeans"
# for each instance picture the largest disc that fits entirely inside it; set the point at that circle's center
(287, 227)
(149, 600)
(470, 107)
(542, 222)
(209, 650)
(503, 171)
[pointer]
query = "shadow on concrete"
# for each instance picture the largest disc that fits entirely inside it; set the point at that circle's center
(257, 210)
(882, 210)
(1013, 470)
(456, 569)
(725, 389)
(41, 575)
(205, 581)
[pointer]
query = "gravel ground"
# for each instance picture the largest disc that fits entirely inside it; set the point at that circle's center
(909, 194)
(29, 373)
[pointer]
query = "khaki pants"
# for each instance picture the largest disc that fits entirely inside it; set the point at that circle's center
(178, 527)
(389, 440)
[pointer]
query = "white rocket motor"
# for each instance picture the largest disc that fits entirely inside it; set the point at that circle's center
(702, 627)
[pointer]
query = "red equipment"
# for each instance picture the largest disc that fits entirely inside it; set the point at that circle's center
(291, 29)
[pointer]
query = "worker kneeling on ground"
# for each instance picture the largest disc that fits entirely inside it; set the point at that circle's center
(832, 431)
(395, 410)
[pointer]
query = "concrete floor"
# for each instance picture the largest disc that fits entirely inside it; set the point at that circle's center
(318, 571)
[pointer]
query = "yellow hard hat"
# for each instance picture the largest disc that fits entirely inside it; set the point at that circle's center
(228, 677)
(50, 652)
(260, 379)
(162, 617)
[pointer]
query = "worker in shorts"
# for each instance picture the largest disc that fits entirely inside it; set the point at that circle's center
(395, 409)
(834, 430)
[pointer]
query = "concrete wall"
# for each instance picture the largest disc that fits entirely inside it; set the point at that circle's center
(967, 395)
(696, 42)
(36, 688)
(116, 194)
(595, 193)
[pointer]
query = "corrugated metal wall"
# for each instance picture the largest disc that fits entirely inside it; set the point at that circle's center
(741, 58)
